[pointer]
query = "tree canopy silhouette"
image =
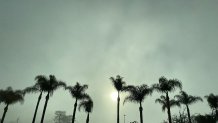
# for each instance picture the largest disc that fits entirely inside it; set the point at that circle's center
(39, 87)
(187, 100)
(137, 94)
(165, 86)
(87, 105)
(78, 92)
(163, 101)
(119, 85)
(9, 97)
(50, 84)
(213, 103)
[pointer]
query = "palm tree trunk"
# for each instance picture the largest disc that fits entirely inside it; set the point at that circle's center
(74, 112)
(45, 106)
(87, 119)
(118, 107)
(189, 116)
(216, 114)
(36, 109)
(141, 115)
(168, 108)
(5, 111)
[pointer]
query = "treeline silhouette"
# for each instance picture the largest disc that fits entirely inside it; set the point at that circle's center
(136, 94)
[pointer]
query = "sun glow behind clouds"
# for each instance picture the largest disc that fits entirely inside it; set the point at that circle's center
(114, 96)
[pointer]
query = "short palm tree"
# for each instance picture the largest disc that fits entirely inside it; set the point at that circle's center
(213, 103)
(50, 84)
(87, 105)
(78, 92)
(165, 103)
(137, 94)
(119, 85)
(187, 100)
(39, 87)
(166, 86)
(9, 97)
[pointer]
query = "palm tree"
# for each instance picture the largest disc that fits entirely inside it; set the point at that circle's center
(87, 105)
(119, 85)
(165, 86)
(137, 94)
(78, 92)
(187, 100)
(165, 103)
(9, 97)
(213, 103)
(39, 87)
(49, 85)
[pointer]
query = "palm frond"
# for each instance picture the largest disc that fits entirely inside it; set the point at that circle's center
(129, 98)
(186, 99)
(86, 104)
(31, 89)
(118, 82)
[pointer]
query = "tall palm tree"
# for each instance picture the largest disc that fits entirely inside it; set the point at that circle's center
(187, 100)
(166, 86)
(9, 97)
(165, 103)
(78, 92)
(50, 84)
(137, 94)
(87, 105)
(213, 103)
(39, 87)
(119, 85)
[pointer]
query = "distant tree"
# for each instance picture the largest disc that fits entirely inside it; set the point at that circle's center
(51, 84)
(165, 103)
(187, 100)
(61, 117)
(134, 122)
(87, 105)
(213, 103)
(78, 92)
(204, 119)
(137, 94)
(119, 85)
(9, 97)
(166, 86)
(181, 118)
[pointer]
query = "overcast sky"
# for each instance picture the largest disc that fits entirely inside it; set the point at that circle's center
(91, 40)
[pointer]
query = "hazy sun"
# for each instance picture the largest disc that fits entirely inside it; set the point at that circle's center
(114, 96)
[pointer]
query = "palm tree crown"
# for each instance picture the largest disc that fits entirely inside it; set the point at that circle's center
(137, 93)
(166, 85)
(118, 83)
(163, 101)
(10, 96)
(87, 105)
(186, 99)
(48, 84)
(78, 91)
(212, 101)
